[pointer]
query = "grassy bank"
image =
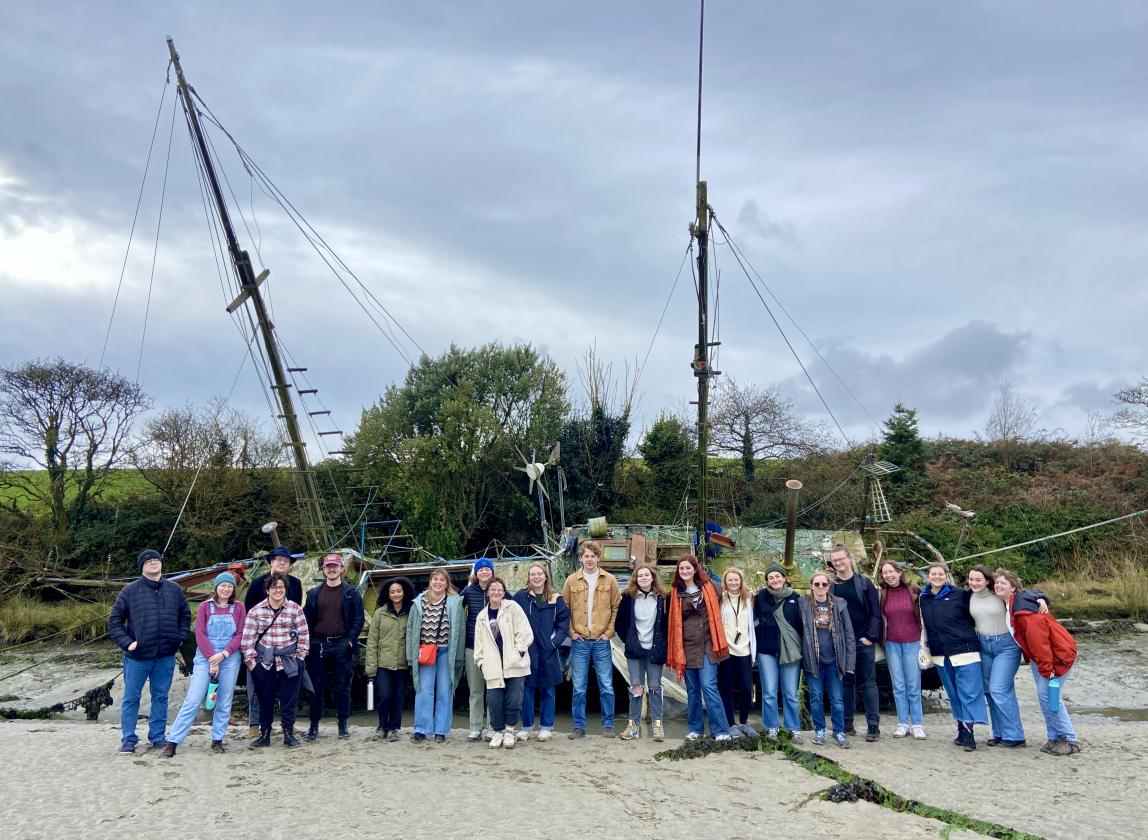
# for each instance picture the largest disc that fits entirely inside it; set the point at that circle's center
(1101, 588)
(24, 619)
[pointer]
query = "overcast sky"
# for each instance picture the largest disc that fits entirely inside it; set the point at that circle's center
(943, 196)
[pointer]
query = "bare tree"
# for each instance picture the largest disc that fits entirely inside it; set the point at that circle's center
(754, 422)
(603, 389)
(71, 422)
(1012, 420)
(1133, 418)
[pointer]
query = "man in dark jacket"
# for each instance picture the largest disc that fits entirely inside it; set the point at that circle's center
(280, 560)
(334, 612)
(149, 621)
(860, 595)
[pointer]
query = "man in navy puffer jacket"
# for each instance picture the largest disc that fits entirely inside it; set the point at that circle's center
(149, 621)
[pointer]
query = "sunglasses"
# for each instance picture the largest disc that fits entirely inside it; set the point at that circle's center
(821, 586)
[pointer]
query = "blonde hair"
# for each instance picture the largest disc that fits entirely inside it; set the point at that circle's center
(743, 593)
(450, 590)
(548, 589)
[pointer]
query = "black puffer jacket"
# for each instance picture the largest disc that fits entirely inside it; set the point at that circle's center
(152, 613)
(474, 597)
(948, 623)
(627, 630)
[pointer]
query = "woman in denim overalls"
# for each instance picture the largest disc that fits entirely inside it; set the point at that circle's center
(218, 629)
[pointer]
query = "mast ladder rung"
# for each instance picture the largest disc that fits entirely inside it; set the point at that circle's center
(341, 452)
(302, 391)
(296, 370)
(337, 432)
(317, 413)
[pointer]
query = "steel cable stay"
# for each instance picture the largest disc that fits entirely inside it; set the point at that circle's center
(314, 238)
(155, 250)
(135, 215)
(739, 253)
(662, 317)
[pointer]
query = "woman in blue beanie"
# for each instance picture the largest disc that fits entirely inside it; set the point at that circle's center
(218, 630)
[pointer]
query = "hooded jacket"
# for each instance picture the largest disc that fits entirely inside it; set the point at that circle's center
(455, 649)
(948, 622)
(153, 614)
(1042, 638)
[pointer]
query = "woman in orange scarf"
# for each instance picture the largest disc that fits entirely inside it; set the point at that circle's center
(696, 644)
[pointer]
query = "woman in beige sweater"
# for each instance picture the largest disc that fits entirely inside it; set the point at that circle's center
(502, 639)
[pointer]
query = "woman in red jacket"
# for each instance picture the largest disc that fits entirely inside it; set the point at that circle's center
(1051, 651)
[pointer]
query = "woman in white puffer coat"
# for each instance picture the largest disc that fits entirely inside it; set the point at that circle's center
(502, 639)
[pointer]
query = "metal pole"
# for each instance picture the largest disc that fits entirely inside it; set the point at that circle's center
(701, 364)
(792, 490)
(316, 524)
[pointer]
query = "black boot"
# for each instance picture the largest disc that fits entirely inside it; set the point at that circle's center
(968, 741)
(312, 731)
(960, 739)
(264, 739)
(289, 739)
(343, 733)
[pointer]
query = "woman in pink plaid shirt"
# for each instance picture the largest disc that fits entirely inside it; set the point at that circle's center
(275, 643)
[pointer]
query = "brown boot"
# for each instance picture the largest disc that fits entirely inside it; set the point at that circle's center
(253, 731)
(169, 750)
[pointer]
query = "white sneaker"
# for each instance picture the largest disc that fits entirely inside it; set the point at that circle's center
(497, 740)
(509, 739)
(474, 735)
(522, 736)
(795, 737)
(725, 736)
(545, 735)
(901, 731)
(918, 732)
(771, 732)
(693, 736)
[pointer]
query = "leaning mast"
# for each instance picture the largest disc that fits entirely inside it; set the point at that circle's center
(314, 518)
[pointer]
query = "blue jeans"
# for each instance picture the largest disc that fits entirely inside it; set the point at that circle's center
(157, 672)
(642, 672)
(197, 690)
(965, 688)
(1000, 659)
(829, 678)
(582, 653)
(771, 673)
(1057, 721)
(905, 674)
(545, 704)
(701, 686)
(434, 701)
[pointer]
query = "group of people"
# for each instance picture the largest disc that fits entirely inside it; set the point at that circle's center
(712, 634)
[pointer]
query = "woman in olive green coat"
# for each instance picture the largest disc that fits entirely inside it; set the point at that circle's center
(387, 655)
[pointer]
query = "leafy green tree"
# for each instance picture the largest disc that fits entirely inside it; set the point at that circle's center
(670, 456)
(902, 445)
(442, 446)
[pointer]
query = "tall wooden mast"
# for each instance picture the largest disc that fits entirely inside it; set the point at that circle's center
(311, 506)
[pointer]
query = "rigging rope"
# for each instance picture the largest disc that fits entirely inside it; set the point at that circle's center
(1052, 536)
(662, 317)
(135, 215)
(155, 250)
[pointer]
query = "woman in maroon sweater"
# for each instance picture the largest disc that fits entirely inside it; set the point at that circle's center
(901, 611)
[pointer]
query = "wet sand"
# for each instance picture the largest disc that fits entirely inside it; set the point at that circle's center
(63, 778)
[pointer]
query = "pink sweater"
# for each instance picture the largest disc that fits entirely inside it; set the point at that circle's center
(901, 623)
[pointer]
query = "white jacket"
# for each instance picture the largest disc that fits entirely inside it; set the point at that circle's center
(514, 629)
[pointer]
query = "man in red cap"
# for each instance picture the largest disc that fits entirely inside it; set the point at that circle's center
(334, 611)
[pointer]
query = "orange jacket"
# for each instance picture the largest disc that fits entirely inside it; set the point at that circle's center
(1043, 640)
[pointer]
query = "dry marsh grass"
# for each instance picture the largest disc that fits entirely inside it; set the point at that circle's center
(23, 619)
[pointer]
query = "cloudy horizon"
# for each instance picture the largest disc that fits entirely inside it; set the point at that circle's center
(942, 198)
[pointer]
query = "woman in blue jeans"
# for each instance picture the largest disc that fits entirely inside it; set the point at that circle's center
(550, 622)
(829, 652)
(901, 635)
(777, 625)
(695, 644)
(436, 628)
(218, 631)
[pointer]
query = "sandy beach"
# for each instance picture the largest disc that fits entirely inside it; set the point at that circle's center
(563, 788)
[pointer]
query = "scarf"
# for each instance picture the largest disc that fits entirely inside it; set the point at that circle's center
(676, 655)
(790, 640)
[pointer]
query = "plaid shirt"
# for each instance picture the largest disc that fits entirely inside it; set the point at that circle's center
(290, 619)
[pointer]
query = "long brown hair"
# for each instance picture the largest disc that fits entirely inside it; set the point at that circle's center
(655, 587)
(700, 576)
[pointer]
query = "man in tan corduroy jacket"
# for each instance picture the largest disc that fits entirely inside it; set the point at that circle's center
(592, 596)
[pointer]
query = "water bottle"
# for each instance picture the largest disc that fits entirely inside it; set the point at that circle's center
(370, 695)
(1054, 694)
(212, 694)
